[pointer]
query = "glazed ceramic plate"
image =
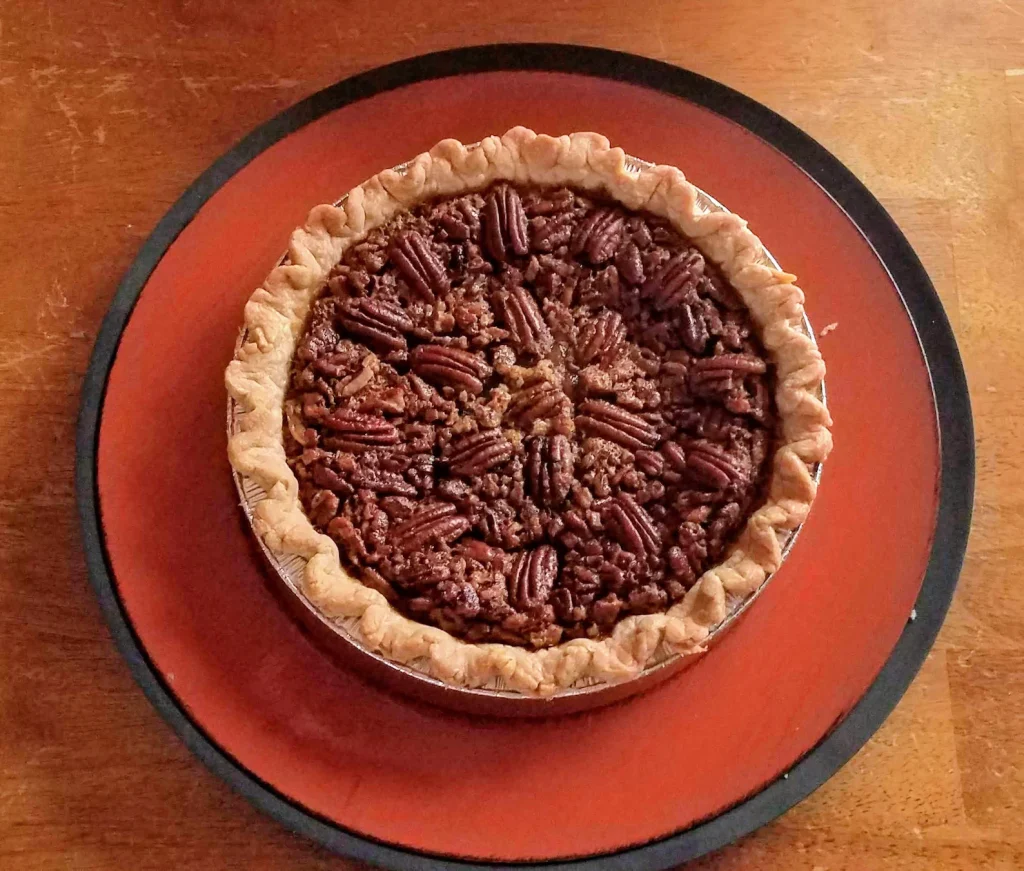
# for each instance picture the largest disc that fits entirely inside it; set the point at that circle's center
(776, 708)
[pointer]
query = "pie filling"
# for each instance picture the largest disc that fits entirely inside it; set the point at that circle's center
(527, 413)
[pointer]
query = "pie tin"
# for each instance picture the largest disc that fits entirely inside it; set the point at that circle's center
(339, 636)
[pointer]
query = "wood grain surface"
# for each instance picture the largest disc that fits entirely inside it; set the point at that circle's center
(109, 109)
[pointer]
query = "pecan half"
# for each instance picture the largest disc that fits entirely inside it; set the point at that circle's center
(526, 327)
(540, 401)
(385, 483)
(475, 454)
(650, 463)
(324, 476)
(675, 455)
(435, 523)
(723, 373)
(419, 265)
(598, 235)
(600, 338)
(676, 281)
(549, 469)
(482, 552)
(711, 465)
(694, 328)
(600, 418)
(505, 225)
(452, 367)
(358, 431)
(740, 364)
(532, 578)
(722, 293)
(633, 526)
(378, 323)
(630, 264)
(334, 365)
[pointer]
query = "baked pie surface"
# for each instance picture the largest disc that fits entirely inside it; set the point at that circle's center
(531, 416)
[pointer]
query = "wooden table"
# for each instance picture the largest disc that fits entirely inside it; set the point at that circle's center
(107, 112)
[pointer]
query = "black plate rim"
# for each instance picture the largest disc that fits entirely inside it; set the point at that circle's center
(956, 435)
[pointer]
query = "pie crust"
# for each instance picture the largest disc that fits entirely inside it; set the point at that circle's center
(258, 378)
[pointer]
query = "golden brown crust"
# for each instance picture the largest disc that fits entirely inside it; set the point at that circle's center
(274, 316)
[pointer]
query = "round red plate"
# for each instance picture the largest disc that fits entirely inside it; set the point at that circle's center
(420, 778)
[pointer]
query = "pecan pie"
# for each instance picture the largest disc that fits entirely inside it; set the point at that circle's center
(528, 414)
